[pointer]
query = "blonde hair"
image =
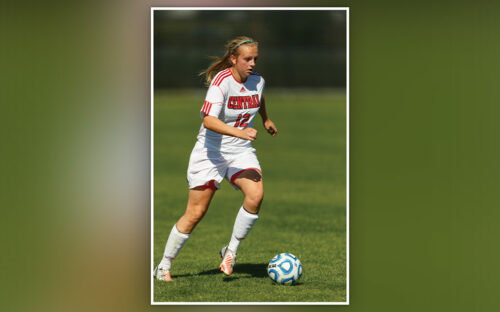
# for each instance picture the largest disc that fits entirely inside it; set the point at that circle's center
(224, 62)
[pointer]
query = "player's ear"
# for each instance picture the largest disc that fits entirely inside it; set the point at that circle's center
(233, 59)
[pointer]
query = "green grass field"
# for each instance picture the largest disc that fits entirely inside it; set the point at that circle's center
(303, 212)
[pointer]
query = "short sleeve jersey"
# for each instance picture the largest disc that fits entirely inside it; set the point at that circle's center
(236, 104)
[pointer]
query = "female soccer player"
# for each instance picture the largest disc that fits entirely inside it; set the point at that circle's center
(224, 150)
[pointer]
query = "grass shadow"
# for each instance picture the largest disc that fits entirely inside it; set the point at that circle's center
(241, 270)
(258, 270)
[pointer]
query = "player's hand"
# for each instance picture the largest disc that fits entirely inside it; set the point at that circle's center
(270, 127)
(249, 134)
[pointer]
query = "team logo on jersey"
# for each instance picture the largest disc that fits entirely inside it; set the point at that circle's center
(242, 89)
(243, 102)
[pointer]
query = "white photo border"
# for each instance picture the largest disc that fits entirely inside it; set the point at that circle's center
(153, 9)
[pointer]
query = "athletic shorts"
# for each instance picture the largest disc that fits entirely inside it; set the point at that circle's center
(209, 168)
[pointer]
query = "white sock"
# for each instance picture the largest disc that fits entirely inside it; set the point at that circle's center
(174, 244)
(242, 226)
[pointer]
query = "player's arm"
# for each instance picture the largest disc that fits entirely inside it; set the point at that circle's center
(268, 124)
(216, 125)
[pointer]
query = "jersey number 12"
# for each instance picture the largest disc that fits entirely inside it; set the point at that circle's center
(242, 122)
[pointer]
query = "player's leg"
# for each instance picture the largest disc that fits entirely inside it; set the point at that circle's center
(198, 203)
(250, 183)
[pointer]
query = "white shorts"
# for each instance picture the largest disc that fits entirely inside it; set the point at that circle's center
(209, 168)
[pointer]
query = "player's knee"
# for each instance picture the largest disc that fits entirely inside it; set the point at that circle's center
(255, 198)
(191, 223)
(195, 215)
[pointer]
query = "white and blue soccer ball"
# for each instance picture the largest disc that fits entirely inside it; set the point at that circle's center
(285, 269)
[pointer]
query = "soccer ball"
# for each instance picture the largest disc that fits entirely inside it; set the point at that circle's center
(285, 269)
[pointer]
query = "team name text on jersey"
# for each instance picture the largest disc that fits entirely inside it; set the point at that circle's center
(243, 102)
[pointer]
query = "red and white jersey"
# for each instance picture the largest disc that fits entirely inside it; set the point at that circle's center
(236, 104)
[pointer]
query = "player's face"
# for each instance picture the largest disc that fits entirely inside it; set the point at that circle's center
(245, 62)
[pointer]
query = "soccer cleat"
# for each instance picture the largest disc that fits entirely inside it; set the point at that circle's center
(162, 274)
(228, 260)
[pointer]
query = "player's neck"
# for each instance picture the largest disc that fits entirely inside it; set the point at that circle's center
(236, 75)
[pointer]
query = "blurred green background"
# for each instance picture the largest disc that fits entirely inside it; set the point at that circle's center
(301, 48)
(423, 167)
